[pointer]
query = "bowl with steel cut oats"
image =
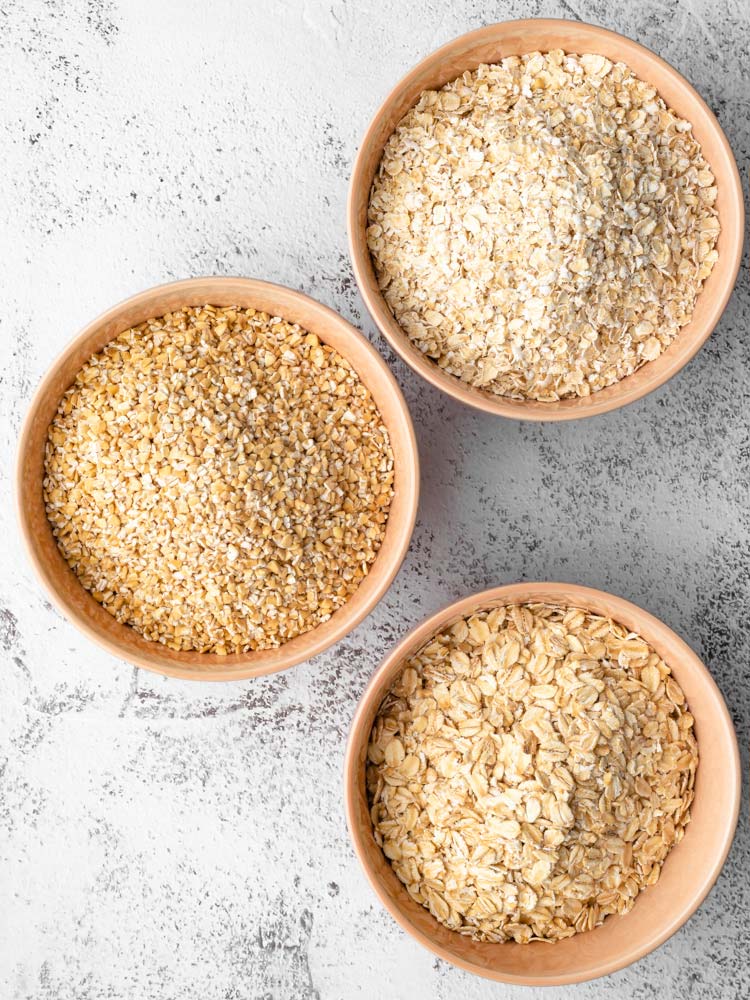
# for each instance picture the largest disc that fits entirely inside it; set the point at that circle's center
(217, 479)
(542, 783)
(545, 220)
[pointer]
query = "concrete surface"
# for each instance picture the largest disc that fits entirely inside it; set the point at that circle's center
(164, 841)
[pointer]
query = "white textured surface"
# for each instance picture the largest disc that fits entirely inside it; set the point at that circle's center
(162, 840)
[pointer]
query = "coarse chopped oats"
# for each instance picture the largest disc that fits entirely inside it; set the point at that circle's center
(529, 771)
(219, 479)
(542, 227)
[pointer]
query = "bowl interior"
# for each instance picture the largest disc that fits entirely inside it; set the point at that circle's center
(77, 604)
(689, 870)
(491, 44)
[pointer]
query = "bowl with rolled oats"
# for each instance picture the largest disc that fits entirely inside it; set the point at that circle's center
(545, 220)
(217, 479)
(542, 783)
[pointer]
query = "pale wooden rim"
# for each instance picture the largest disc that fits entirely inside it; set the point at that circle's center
(655, 632)
(378, 580)
(622, 393)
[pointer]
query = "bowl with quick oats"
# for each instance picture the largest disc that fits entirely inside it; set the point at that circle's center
(545, 219)
(542, 783)
(217, 479)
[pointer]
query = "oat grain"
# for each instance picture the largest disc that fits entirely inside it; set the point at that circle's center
(219, 479)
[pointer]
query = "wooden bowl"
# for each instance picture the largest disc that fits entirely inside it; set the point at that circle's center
(59, 580)
(690, 869)
(491, 44)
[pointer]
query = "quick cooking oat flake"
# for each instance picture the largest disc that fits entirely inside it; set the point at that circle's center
(541, 227)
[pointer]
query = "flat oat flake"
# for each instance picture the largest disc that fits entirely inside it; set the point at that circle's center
(529, 771)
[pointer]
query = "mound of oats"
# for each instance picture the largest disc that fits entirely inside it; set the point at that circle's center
(529, 772)
(542, 227)
(219, 479)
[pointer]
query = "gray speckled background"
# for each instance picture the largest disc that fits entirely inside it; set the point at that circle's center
(170, 841)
